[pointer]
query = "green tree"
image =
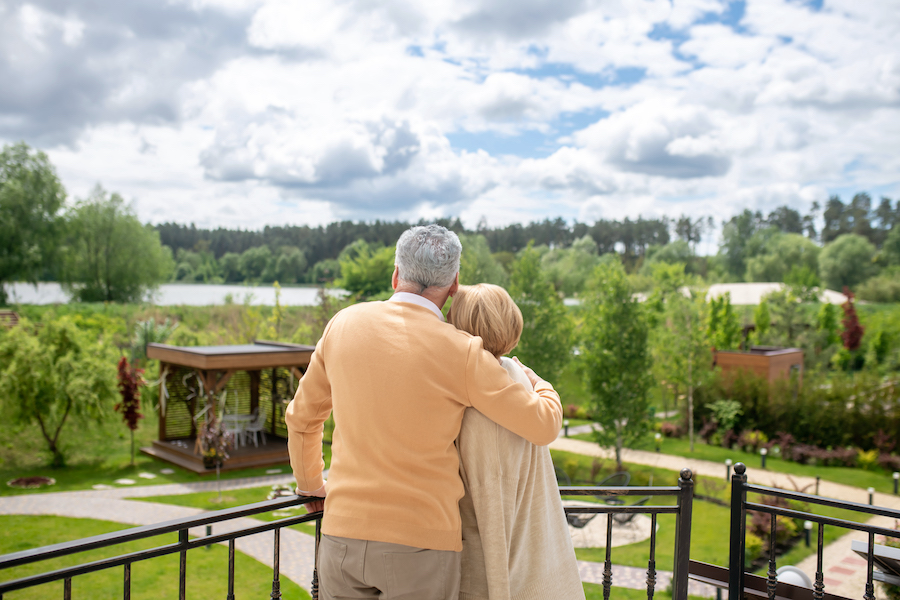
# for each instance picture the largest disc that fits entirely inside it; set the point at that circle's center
(477, 264)
(31, 197)
(723, 325)
(681, 348)
(570, 268)
(110, 256)
(51, 373)
(762, 321)
(616, 357)
(546, 342)
(847, 261)
(253, 262)
(781, 253)
(290, 265)
(366, 271)
(230, 267)
(891, 248)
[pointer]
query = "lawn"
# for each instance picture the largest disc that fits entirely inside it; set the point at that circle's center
(232, 498)
(593, 591)
(98, 453)
(878, 479)
(207, 573)
(709, 525)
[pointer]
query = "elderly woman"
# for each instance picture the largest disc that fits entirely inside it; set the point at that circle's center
(516, 544)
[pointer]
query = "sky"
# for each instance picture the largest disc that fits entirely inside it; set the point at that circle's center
(246, 113)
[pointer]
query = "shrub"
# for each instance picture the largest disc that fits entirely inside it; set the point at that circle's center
(752, 441)
(867, 459)
(753, 547)
(571, 411)
(889, 462)
(671, 430)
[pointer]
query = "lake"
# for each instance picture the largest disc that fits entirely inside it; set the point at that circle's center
(192, 294)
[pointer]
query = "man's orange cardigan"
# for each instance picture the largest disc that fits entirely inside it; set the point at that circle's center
(398, 380)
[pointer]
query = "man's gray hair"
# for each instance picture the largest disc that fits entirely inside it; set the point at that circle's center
(428, 256)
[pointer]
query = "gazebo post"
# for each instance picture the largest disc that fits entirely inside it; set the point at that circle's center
(163, 369)
(254, 390)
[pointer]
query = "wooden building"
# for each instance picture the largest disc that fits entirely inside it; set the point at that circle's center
(239, 380)
(766, 361)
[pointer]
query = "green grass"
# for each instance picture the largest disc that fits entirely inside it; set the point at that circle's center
(98, 453)
(232, 498)
(855, 477)
(878, 479)
(593, 591)
(709, 523)
(151, 579)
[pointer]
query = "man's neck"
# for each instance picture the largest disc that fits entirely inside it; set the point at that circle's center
(436, 295)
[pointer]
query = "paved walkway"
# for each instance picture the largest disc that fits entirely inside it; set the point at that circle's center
(297, 549)
(845, 572)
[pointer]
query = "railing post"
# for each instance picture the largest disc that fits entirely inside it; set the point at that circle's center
(182, 564)
(276, 576)
(314, 589)
(738, 532)
(683, 536)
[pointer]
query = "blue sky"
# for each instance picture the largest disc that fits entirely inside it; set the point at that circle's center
(243, 113)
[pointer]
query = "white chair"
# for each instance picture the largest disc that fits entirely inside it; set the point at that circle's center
(256, 426)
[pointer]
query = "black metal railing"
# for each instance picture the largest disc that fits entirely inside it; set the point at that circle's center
(682, 509)
(737, 583)
(182, 546)
(684, 493)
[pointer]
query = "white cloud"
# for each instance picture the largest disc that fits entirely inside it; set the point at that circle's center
(344, 109)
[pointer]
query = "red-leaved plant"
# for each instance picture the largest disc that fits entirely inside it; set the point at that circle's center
(853, 331)
(130, 382)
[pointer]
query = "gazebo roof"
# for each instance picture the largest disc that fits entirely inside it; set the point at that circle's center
(258, 355)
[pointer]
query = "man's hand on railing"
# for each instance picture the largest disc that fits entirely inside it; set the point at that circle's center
(315, 505)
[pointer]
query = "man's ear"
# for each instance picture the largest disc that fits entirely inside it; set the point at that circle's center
(454, 287)
(395, 278)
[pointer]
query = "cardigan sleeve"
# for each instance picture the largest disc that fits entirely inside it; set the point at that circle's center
(535, 415)
(305, 421)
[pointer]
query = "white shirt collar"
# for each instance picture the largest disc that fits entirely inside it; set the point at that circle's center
(417, 300)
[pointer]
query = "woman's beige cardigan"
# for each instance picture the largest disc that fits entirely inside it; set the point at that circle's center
(516, 543)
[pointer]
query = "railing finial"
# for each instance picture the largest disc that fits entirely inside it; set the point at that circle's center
(740, 468)
(686, 474)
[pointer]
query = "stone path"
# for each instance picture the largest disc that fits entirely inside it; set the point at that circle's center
(297, 549)
(845, 572)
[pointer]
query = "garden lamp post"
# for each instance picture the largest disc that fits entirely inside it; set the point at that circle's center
(728, 464)
(818, 479)
(658, 439)
(871, 491)
(762, 453)
(566, 427)
(807, 527)
(896, 480)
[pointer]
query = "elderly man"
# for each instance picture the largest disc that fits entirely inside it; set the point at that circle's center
(398, 379)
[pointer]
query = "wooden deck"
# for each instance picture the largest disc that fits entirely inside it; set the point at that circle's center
(181, 452)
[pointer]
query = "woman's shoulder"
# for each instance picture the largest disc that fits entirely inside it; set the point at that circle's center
(515, 371)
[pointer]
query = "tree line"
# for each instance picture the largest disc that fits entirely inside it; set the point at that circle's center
(99, 250)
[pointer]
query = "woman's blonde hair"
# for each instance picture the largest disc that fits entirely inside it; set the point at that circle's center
(487, 310)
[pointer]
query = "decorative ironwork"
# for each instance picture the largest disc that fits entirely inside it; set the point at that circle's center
(740, 506)
(819, 585)
(651, 564)
(682, 511)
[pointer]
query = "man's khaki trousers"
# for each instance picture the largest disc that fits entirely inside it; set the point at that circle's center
(352, 569)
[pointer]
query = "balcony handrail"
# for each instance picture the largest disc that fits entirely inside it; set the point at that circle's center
(737, 545)
(871, 509)
(682, 509)
(103, 540)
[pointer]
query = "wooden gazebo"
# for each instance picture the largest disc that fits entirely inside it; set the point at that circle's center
(242, 379)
